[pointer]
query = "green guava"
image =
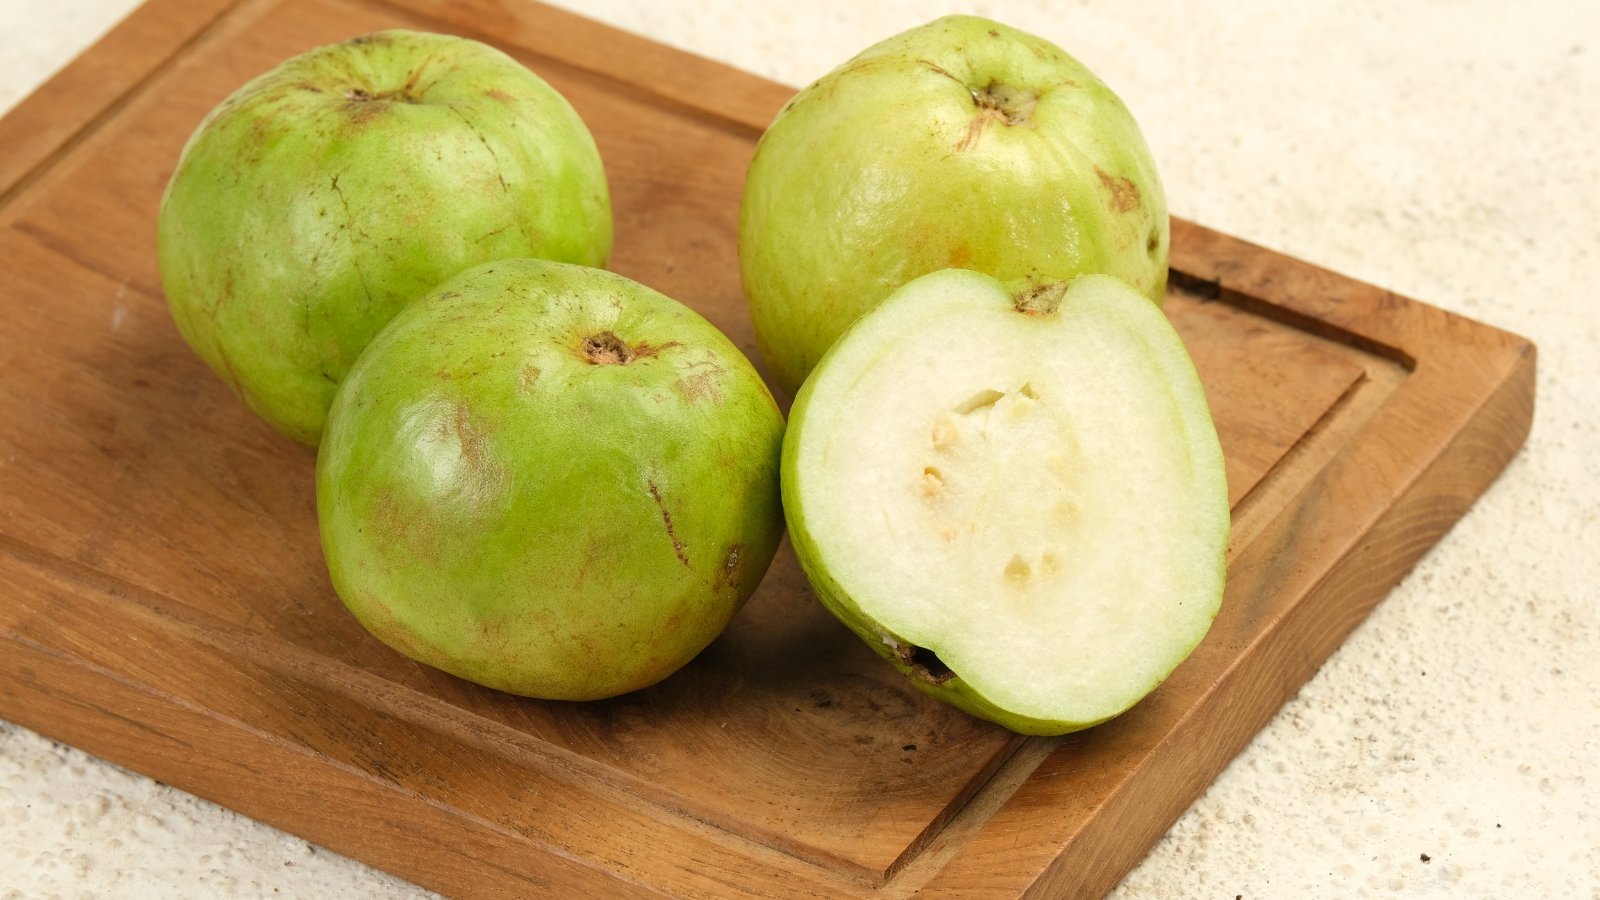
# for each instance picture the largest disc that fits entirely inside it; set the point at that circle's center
(1015, 494)
(324, 195)
(959, 144)
(549, 480)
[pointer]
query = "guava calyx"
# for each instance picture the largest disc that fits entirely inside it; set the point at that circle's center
(1041, 299)
(606, 349)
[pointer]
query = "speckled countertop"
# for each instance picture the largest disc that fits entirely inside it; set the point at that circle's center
(1447, 150)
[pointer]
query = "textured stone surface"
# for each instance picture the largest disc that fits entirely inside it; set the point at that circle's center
(1446, 150)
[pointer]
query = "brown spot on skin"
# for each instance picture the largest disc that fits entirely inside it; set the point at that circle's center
(491, 234)
(224, 295)
(666, 518)
(645, 349)
(480, 477)
(1124, 193)
(960, 256)
(527, 377)
(728, 574)
(993, 33)
(395, 524)
(699, 386)
(497, 94)
(471, 440)
(930, 64)
(590, 555)
(974, 131)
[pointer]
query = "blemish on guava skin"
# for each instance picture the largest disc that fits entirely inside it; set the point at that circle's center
(497, 94)
(491, 234)
(728, 574)
(473, 445)
(1124, 193)
(666, 518)
(527, 376)
(590, 554)
(387, 627)
(645, 349)
(394, 524)
(699, 386)
(942, 71)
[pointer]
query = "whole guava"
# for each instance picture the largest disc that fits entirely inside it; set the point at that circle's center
(549, 480)
(326, 194)
(962, 143)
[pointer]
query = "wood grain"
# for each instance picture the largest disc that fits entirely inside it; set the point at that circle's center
(163, 601)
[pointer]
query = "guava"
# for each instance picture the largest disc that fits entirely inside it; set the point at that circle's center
(324, 195)
(962, 143)
(1014, 493)
(549, 480)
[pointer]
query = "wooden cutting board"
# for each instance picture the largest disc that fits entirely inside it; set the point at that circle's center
(163, 601)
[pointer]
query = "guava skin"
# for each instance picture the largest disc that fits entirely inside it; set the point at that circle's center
(320, 198)
(962, 143)
(549, 480)
(921, 665)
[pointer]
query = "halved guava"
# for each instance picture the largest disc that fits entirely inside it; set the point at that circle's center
(1013, 493)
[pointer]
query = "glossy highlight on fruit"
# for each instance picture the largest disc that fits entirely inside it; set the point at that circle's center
(963, 143)
(318, 199)
(1014, 493)
(549, 480)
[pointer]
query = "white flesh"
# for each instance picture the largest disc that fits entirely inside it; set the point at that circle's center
(1039, 500)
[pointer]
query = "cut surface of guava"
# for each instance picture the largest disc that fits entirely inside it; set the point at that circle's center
(1018, 496)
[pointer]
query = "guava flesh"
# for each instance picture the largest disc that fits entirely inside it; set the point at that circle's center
(1015, 495)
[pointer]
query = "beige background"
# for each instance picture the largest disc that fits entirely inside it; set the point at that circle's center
(1446, 150)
